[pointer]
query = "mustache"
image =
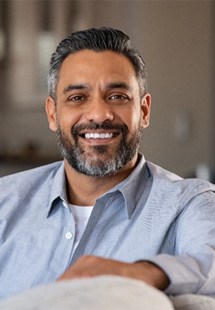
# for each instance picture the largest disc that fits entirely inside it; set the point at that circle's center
(105, 126)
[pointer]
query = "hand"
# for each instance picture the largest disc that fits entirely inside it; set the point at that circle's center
(91, 266)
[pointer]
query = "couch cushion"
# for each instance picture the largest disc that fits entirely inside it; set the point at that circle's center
(193, 302)
(102, 292)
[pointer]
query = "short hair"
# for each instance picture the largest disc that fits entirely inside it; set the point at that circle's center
(96, 39)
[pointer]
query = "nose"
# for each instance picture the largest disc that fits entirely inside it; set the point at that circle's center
(99, 111)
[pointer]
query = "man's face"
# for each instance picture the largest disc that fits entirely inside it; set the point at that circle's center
(99, 112)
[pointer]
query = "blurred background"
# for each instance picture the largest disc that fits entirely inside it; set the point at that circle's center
(177, 41)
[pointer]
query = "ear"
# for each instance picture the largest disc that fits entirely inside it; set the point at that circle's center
(146, 108)
(51, 113)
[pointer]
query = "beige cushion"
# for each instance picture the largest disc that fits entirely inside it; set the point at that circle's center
(99, 293)
(193, 302)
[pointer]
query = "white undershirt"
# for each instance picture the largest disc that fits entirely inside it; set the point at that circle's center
(81, 215)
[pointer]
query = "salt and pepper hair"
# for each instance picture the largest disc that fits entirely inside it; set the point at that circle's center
(96, 39)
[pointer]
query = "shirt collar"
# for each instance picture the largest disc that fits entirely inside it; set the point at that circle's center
(131, 188)
(58, 188)
(134, 186)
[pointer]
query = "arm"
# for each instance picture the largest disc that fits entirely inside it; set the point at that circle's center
(191, 269)
(91, 266)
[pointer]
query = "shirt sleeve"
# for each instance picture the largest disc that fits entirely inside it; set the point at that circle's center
(191, 268)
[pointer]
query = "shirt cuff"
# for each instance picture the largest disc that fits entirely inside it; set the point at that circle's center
(184, 272)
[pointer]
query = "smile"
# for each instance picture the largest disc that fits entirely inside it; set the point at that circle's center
(96, 135)
(99, 134)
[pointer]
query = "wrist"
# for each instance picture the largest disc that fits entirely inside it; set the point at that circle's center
(151, 274)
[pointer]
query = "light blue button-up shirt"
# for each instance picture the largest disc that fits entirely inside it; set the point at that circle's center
(152, 215)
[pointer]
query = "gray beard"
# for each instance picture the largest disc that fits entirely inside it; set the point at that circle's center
(89, 165)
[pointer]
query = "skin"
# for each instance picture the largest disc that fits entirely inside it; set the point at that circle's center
(99, 87)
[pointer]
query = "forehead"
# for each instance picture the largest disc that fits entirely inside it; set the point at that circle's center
(96, 66)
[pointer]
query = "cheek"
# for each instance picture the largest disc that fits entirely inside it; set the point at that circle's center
(133, 119)
(66, 121)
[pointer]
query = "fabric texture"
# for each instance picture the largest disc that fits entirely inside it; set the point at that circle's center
(193, 302)
(153, 215)
(105, 292)
(81, 216)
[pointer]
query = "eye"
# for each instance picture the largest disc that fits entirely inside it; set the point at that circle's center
(119, 98)
(76, 98)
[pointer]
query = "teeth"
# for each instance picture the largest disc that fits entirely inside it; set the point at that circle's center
(92, 135)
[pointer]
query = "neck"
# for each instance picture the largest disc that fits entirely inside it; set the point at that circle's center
(83, 190)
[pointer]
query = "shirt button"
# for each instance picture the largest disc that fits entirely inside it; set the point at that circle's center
(69, 235)
(65, 204)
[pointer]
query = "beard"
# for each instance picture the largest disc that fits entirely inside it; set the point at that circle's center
(98, 161)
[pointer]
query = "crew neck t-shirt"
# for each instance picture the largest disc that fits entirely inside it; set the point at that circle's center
(81, 215)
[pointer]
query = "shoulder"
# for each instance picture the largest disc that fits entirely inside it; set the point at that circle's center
(174, 186)
(34, 175)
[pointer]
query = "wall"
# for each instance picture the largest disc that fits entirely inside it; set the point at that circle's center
(176, 39)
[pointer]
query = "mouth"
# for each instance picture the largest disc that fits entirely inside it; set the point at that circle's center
(99, 134)
(99, 137)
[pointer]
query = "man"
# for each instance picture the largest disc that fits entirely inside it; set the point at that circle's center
(104, 210)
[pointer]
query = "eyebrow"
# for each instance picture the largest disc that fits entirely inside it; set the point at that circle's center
(114, 85)
(75, 87)
(109, 86)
